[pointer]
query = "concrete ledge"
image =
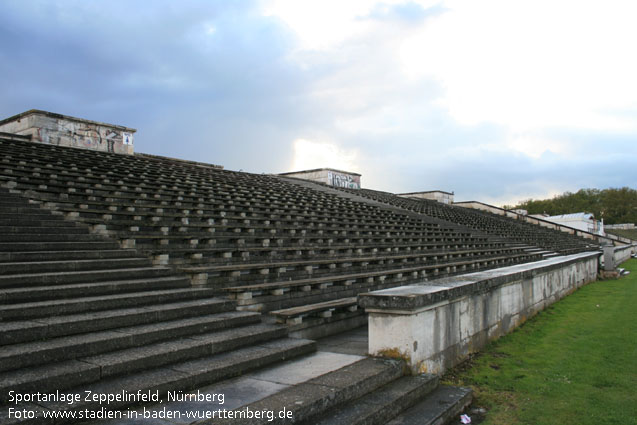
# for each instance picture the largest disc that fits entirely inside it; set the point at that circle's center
(435, 325)
(623, 253)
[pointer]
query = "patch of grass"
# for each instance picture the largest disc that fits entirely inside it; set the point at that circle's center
(573, 363)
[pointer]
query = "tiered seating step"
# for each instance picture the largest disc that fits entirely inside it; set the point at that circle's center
(295, 315)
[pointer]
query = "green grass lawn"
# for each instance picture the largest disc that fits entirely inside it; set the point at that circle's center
(573, 363)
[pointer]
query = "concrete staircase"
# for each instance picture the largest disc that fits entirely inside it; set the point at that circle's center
(78, 313)
(369, 391)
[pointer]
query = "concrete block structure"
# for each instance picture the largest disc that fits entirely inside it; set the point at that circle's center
(328, 176)
(63, 130)
(435, 325)
(434, 195)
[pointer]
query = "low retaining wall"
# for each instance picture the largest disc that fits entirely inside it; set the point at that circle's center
(623, 253)
(435, 325)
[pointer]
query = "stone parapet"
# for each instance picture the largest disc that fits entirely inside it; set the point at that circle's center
(435, 325)
(62, 130)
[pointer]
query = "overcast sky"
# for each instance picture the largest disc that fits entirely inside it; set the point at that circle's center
(498, 101)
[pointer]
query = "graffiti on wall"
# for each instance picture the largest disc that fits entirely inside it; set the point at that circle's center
(86, 135)
(343, 180)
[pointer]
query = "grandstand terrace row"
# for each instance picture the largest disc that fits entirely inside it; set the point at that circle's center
(503, 227)
(140, 272)
(266, 241)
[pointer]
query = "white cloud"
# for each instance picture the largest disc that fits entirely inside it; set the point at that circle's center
(529, 65)
(535, 146)
(323, 24)
(309, 155)
(320, 24)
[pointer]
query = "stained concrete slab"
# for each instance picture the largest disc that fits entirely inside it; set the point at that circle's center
(351, 342)
(249, 388)
(306, 368)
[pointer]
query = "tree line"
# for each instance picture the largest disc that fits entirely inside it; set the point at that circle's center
(613, 205)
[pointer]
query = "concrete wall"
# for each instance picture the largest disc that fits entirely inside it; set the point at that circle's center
(434, 195)
(623, 226)
(435, 325)
(623, 253)
(62, 130)
(328, 176)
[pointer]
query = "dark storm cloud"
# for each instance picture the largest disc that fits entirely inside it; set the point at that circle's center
(198, 79)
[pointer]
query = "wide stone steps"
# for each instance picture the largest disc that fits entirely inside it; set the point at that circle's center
(131, 360)
(10, 268)
(23, 210)
(59, 278)
(36, 256)
(194, 346)
(67, 374)
(39, 293)
(309, 401)
(58, 246)
(30, 216)
(72, 324)
(46, 222)
(18, 356)
(370, 391)
(442, 406)
(180, 376)
(49, 237)
(22, 230)
(382, 405)
(37, 309)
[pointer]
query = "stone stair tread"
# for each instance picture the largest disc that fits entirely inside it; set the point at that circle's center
(106, 271)
(53, 326)
(181, 376)
(313, 397)
(12, 293)
(48, 245)
(77, 265)
(110, 314)
(32, 379)
(222, 318)
(175, 350)
(26, 256)
(383, 404)
(102, 298)
(75, 261)
(440, 407)
(50, 237)
(108, 340)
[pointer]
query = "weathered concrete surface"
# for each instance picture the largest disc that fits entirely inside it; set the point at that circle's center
(623, 253)
(615, 255)
(435, 325)
(618, 240)
(62, 130)
(441, 407)
(434, 195)
(328, 176)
